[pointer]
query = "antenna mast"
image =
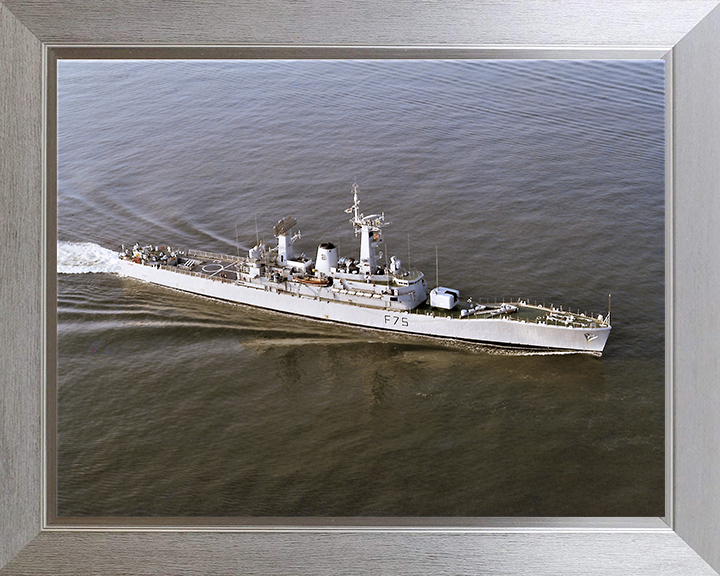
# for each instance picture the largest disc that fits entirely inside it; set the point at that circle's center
(237, 242)
(408, 263)
(370, 230)
(437, 267)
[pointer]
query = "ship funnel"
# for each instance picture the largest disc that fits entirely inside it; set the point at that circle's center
(327, 258)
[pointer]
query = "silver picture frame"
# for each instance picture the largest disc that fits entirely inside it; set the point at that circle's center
(685, 33)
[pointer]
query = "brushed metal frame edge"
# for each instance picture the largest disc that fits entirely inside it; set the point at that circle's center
(49, 308)
(337, 52)
(669, 294)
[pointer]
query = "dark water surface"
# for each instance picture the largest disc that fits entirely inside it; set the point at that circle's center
(542, 180)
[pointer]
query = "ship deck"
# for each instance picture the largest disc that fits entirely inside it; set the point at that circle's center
(213, 268)
(225, 268)
(526, 312)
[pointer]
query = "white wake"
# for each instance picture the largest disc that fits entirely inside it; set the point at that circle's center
(84, 258)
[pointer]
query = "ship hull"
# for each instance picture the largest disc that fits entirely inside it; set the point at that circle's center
(494, 331)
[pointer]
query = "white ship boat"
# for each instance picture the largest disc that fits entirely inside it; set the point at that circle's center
(361, 292)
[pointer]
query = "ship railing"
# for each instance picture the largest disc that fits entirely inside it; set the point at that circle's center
(592, 316)
(178, 270)
(191, 273)
(534, 304)
(484, 301)
(205, 276)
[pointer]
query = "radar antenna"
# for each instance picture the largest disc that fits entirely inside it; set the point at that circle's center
(283, 226)
(374, 221)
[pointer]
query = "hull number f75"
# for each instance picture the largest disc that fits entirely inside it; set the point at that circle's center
(395, 320)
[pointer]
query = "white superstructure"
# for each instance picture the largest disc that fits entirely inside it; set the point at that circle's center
(360, 292)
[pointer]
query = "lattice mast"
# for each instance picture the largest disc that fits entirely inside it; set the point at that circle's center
(370, 230)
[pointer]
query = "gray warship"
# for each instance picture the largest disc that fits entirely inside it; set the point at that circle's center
(362, 291)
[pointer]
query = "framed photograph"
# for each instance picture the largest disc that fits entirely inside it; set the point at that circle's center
(404, 400)
(329, 519)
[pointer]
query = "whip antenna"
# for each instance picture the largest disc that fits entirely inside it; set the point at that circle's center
(408, 263)
(237, 242)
